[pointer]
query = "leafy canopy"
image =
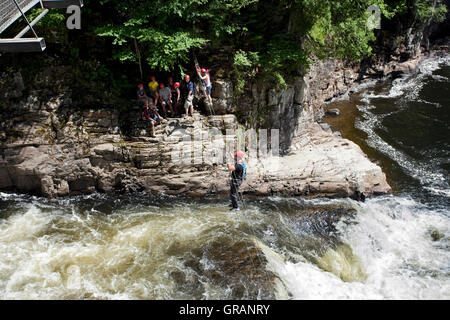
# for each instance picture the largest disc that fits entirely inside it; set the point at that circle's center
(276, 37)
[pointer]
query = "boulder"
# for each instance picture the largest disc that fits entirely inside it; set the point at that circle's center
(47, 187)
(333, 112)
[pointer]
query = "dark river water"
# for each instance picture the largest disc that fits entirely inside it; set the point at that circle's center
(390, 247)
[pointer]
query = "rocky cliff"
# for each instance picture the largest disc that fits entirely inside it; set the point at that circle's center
(51, 147)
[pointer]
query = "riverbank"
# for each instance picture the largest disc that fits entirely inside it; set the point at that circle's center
(136, 246)
(413, 107)
(52, 148)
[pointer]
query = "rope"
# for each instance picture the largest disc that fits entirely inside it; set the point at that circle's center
(211, 109)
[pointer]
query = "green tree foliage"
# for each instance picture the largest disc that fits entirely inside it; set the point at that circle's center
(338, 29)
(429, 9)
(276, 37)
(167, 31)
(422, 10)
(244, 67)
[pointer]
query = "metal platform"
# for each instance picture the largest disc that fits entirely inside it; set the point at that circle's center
(54, 4)
(12, 10)
(10, 13)
(22, 45)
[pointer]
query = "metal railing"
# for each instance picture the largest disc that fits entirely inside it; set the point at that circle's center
(10, 13)
(12, 10)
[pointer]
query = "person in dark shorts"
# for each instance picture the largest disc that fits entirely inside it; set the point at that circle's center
(237, 175)
(176, 97)
(190, 88)
(150, 113)
(165, 98)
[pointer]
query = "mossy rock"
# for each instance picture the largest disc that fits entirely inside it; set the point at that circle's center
(436, 235)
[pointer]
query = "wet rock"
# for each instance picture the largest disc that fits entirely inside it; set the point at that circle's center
(358, 196)
(62, 189)
(436, 235)
(238, 265)
(47, 187)
(333, 112)
(83, 184)
(325, 126)
(5, 180)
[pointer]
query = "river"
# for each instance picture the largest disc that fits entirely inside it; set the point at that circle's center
(389, 247)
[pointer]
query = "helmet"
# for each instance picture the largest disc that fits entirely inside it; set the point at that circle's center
(187, 76)
(140, 85)
(240, 154)
(152, 78)
(169, 79)
(177, 84)
(203, 70)
(161, 85)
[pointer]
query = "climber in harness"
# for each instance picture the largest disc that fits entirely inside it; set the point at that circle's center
(238, 173)
(205, 77)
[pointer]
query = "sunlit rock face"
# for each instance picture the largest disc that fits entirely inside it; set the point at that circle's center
(53, 148)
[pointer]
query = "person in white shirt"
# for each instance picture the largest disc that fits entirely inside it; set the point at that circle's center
(204, 75)
(165, 97)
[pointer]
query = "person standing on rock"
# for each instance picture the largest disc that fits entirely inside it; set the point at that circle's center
(190, 87)
(177, 98)
(165, 97)
(204, 75)
(153, 87)
(151, 114)
(237, 175)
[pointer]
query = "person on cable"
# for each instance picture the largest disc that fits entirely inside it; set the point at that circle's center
(237, 175)
(153, 87)
(204, 75)
(165, 97)
(189, 103)
(142, 96)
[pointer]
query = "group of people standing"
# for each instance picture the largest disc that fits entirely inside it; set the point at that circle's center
(167, 100)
